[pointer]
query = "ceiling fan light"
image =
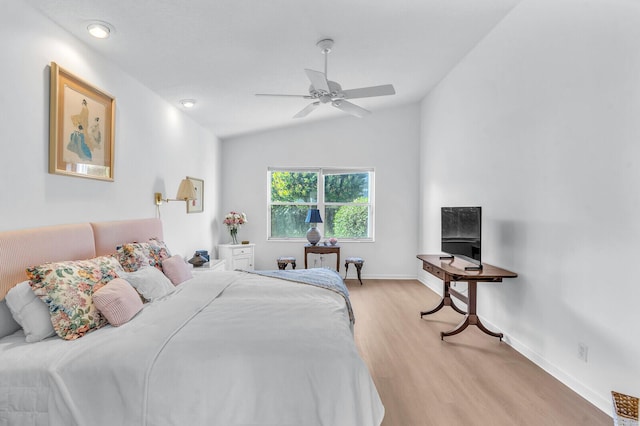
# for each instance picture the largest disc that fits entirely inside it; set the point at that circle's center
(325, 45)
(99, 30)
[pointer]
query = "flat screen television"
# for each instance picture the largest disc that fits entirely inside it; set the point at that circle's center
(462, 233)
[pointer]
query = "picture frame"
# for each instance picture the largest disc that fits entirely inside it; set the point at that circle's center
(81, 127)
(197, 205)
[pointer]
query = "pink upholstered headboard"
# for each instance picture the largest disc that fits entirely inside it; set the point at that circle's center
(109, 235)
(23, 248)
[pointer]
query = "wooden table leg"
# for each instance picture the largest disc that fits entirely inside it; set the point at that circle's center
(459, 328)
(446, 301)
(436, 309)
(486, 330)
(471, 317)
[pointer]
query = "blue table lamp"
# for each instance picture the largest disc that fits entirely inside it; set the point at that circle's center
(313, 235)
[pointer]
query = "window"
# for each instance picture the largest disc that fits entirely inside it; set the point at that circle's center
(292, 194)
(343, 196)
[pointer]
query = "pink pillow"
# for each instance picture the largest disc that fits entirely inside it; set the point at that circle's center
(176, 269)
(117, 301)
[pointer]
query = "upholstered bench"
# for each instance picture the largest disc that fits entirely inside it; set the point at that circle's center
(357, 262)
(284, 260)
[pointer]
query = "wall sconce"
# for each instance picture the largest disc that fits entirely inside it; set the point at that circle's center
(186, 192)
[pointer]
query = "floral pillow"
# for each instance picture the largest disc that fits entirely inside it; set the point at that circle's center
(67, 288)
(158, 251)
(133, 256)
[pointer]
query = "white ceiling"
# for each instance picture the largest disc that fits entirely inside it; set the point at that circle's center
(222, 52)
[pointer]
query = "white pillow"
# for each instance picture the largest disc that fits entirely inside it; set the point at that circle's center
(30, 312)
(7, 324)
(150, 282)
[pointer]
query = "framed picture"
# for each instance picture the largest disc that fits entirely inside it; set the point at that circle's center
(197, 205)
(81, 128)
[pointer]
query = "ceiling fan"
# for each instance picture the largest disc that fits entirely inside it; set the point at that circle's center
(324, 91)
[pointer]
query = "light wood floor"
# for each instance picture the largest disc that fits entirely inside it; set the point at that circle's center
(469, 379)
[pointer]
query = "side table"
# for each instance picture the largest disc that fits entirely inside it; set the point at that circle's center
(238, 256)
(318, 249)
(212, 265)
(453, 269)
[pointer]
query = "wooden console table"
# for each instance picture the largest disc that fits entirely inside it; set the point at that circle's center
(318, 249)
(453, 269)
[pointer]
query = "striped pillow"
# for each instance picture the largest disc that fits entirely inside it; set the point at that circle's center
(117, 301)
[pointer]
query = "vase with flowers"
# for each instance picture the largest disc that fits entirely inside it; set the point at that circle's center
(233, 221)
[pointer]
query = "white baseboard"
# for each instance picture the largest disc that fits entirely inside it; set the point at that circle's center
(436, 288)
(604, 404)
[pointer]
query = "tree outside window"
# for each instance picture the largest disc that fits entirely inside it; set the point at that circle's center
(345, 200)
(292, 194)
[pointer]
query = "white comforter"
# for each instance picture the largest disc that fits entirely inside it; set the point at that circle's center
(227, 348)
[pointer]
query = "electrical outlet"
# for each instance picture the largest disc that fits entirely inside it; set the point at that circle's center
(583, 351)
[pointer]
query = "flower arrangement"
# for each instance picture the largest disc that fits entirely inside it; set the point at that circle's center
(233, 221)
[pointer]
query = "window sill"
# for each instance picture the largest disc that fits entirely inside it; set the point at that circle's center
(304, 240)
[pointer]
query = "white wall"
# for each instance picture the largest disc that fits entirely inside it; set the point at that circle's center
(155, 142)
(539, 125)
(386, 140)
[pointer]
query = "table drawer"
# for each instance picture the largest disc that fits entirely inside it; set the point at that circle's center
(433, 270)
(243, 250)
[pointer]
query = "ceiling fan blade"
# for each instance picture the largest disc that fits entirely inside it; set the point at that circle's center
(306, 110)
(350, 108)
(367, 92)
(318, 80)
(285, 96)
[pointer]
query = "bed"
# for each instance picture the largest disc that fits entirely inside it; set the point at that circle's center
(222, 348)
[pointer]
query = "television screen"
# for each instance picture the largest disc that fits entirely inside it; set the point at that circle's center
(461, 232)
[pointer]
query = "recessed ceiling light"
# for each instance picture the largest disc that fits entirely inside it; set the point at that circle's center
(188, 103)
(99, 29)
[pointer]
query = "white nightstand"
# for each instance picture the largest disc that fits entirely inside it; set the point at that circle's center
(212, 265)
(238, 256)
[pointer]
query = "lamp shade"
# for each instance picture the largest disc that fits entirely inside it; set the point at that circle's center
(313, 216)
(186, 191)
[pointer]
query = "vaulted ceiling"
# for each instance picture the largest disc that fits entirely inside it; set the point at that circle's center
(223, 52)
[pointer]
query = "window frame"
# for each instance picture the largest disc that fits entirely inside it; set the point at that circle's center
(320, 202)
